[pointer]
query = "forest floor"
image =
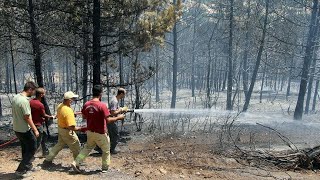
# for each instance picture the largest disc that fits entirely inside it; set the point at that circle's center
(197, 153)
(191, 156)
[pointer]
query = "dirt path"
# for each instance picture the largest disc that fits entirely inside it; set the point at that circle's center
(189, 157)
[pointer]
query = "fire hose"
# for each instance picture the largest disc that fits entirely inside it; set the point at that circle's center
(8, 142)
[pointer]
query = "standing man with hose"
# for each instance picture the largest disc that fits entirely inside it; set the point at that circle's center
(38, 116)
(24, 128)
(97, 115)
(115, 110)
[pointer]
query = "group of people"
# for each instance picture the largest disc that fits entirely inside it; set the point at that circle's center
(102, 131)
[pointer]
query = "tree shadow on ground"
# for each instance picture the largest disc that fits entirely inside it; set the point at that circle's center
(8, 176)
(96, 154)
(93, 172)
(55, 167)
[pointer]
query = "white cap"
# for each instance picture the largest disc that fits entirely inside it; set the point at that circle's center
(70, 95)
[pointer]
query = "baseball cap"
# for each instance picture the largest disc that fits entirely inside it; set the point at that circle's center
(70, 95)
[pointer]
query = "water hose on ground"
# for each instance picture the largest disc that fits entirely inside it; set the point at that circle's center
(8, 142)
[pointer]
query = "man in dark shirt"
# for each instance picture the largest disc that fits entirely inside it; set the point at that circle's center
(38, 116)
(97, 115)
(116, 110)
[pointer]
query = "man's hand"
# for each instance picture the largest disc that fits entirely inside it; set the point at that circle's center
(121, 117)
(36, 133)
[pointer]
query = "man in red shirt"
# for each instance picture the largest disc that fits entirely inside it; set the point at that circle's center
(97, 115)
(38, 117)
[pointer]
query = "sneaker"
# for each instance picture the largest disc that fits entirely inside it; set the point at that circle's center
(75, 167)
(114, 152)
(34, 169)
(104, 170)
(98, 150)
(21, 175)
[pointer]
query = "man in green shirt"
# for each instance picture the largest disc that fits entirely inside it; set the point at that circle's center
(24, 128)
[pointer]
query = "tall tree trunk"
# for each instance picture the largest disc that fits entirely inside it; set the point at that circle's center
(35, 41)
(225, 77)
(208, 104)
(108, 87)
(70, 74)
(85, 54)
(262, 83)
(230, 65)
(76, 70)
(315, 96)
(8, 80)
(246, 52)
(67, 75)
(157, 75)
(276, 79)
(310, 84)
(13, 65)
(307, 60)
(35, 45)
(257, 65)
(51, 76)
(96, 43)
(193, 58)
(174, 64)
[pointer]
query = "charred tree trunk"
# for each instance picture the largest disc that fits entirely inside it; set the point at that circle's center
(193, 58)
(257, 65)
(245, 56)
(263, 79)
(174, 64)
(35, 45)
(35, 41)
(310, 84)
(51, 76)
(157, 75)
(13, 65)
(230, 63)
(67, 75)
(8, 80)
(85, 55)
(76, 70)
(208, 104)
(96, 43)
(307, 60)
(315, 96)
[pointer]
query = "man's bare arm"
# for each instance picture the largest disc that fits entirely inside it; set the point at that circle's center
(114, 119)
(31, 124)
